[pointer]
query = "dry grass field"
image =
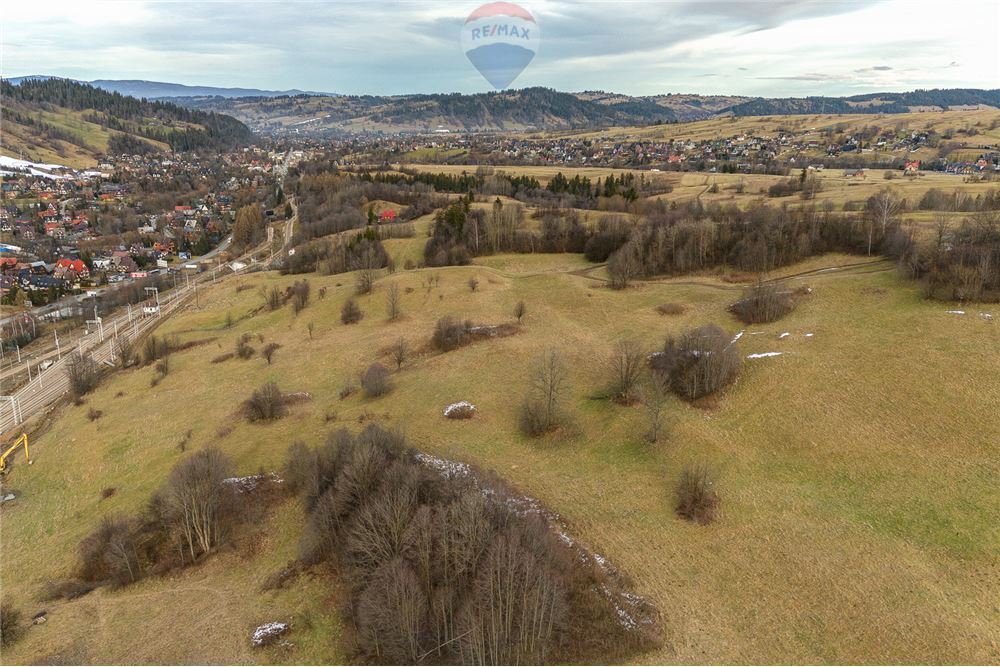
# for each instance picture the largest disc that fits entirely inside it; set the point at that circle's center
(938, 121)
(858, 470)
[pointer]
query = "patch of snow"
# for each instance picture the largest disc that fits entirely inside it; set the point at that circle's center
(268, 633)
(986, 316)
(737, 336)
(810, 335)
(458, 407)
(448, 469)
(955, 312)
(784, 335)
(761, 355)
(6, 161)
(251, 482)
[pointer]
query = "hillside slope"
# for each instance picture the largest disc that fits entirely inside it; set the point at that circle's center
(550, 110)
(58, 120)
(859, 508)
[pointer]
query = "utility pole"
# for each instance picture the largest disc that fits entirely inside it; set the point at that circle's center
(58, 351)
(18, 346)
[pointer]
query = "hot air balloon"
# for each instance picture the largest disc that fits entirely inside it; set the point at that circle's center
(500, 39)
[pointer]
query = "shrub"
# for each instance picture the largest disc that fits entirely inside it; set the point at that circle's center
(299, 295)
(243, 348)
(400, 352)
(266, 404)
(520, 310)
(154, 348)
(93, 415)
(347, 390)
(272, 298)
(375, 381)
(699, 362)
(449, 334)
(695, 498)
(83, 373)
(473, 284)
(109, 555)
(10, 621)
(626, 365)
(670, 309)
(763, 302)
(195, 506)
(351, 313)
(268, 351)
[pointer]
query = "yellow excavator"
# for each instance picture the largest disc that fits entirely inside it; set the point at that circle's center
(5, 457)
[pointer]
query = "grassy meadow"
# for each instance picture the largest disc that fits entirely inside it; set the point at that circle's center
(858, 470)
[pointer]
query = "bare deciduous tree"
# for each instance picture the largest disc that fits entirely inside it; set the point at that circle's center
(199, 506)
(83, 374)
(393, 301)
(400, 352)
(268, 351)
(626, 366)
(541, 411)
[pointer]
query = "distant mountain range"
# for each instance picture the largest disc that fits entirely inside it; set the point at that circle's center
(550, 110)
(543, 109)
(159, 89)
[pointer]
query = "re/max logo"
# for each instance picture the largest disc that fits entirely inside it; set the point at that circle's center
(499, 30)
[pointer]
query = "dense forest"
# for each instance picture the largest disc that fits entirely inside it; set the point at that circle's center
(180, 128)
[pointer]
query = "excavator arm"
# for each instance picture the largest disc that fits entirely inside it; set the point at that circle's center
(22, 441)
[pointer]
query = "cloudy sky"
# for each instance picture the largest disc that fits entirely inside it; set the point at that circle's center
(639, 47)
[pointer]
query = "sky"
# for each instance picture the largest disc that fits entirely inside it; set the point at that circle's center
(637, 47)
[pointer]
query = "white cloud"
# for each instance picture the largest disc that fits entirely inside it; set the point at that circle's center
(641, 47)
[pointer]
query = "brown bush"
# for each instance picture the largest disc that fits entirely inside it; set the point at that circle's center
(109, 555)
(272, 298)
(698, 362)
(10, 624)
(671, 309)
(375, 381)
(107, 492)
(626, 365)
(763, 302)
(65, 589)
(350, 312)
(400, 352)
(268, 351)
(265, 404)
(695, 498)
(93, 415)
(243, 348)
(83, 374)
(449, 334)
(194, 506)
(520, 310)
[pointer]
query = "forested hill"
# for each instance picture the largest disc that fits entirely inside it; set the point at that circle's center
(869, 103)
(55, 119)
(546, 109)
